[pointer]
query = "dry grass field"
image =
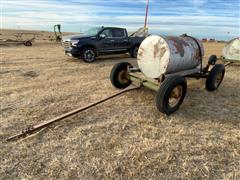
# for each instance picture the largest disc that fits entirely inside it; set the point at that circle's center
(124, 138)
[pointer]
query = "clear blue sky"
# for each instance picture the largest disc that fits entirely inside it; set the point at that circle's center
(201, 18)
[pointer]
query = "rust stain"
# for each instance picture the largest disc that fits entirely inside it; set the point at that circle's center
(163, 51)
(155, 50)
(197, 55)
(179, 48)
(179, 40)
(179, 43)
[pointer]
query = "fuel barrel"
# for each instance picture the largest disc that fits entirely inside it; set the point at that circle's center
(161, 55)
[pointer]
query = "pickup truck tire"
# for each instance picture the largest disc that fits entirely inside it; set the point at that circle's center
(118, 75)
(134, 51)
(88, 55)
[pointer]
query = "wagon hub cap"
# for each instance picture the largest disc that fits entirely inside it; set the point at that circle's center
(122, 77)
(175, 96)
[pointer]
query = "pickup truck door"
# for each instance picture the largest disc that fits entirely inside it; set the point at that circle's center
(107, 43)
(121, 39)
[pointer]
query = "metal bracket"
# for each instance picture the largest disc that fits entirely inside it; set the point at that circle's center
(133, 70)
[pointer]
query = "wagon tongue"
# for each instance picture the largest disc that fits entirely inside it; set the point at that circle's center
(33, 129)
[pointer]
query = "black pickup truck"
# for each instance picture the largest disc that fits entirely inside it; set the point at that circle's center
(101, 41)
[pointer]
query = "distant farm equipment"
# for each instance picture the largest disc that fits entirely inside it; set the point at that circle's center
(212, 40)
(231, 53)
(20, 38)
(57, 32)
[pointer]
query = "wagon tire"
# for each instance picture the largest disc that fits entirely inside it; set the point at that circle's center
(118, 75)
(215, 77)
(212, 60)
(171, 94)
(88, 55)
(28, 43)
(134, 51)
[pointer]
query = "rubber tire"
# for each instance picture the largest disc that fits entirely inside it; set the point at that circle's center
(212, 60)
(75, 56)
(87, 49)
(210, 82)
(28, 43)
(133, 55)
(162, 97)
(115, 73)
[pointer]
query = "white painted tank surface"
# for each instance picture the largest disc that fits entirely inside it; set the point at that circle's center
(158, 55)
(232, 50)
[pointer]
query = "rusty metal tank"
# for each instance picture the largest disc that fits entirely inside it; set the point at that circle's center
(232, 49)
(158, 55)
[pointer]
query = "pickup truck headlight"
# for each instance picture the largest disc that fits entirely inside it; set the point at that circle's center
(74, 43)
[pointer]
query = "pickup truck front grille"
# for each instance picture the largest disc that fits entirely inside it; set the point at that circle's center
(66, 44)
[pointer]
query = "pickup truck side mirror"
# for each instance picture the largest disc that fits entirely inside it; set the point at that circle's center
(102, 36)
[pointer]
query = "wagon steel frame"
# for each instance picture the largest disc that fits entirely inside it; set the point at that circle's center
(169, 87)
(228, 61)
(136, 76)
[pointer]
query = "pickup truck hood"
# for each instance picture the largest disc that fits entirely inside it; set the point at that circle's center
(75, 37)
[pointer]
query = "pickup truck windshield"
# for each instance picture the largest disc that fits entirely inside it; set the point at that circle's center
(93, 31)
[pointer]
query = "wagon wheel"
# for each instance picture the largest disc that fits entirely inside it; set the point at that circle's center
(28, 43)
(212, 60)
(134, 51)
(119, 74)
(171, 94)
(215, 77)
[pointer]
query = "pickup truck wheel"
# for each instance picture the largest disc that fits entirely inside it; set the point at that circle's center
(134, 52)
(88, 55)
